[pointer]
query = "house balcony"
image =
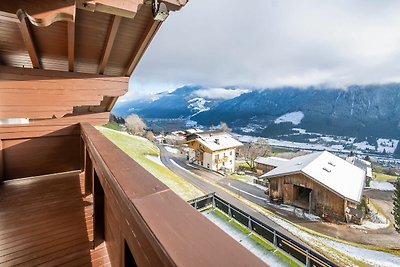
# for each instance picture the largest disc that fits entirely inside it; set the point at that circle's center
(221, 160)
(108, 211)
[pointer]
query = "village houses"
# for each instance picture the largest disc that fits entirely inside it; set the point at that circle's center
(213, 150)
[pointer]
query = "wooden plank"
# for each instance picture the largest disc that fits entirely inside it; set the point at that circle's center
(112, 32)
(71, 45)
(40, 74)
(41, 156)
(55, 235)
(142, 46)
(1, 162)
(28, 41)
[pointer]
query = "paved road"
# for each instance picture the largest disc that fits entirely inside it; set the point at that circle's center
(207, 188)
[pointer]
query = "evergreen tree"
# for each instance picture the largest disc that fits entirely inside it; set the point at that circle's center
(396, 203)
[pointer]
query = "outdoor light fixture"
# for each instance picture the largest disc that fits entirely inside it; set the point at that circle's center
(160, 11)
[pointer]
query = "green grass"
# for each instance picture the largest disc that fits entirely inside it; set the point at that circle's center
(268, 246)
(287, 259)
(137, 148)
(239, 226)
(384, 177)
(243, 178)
(221, 214)
(113, 126)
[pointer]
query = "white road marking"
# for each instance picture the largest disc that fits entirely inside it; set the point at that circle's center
(247, 193)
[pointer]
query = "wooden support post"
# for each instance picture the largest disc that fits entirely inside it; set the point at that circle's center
(71, 45)
(82, 154)
(26, 33)
(1, 162)
(141, 48)
(89, 173)
(111, 34)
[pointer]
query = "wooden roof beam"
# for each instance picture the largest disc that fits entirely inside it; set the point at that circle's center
(26, 33)
(71, 45)
(142, 46)
(111, 34)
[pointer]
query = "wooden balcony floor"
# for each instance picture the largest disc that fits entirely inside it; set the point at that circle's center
(47, 221)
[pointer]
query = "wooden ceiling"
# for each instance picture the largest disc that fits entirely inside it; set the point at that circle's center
(92, 40)
(98, 37)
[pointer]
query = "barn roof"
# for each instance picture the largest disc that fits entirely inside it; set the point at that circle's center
(336, 174)
(216, 140)
(271, 161)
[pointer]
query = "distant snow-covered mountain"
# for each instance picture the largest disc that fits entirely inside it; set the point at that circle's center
(184, 102)
(364, 112)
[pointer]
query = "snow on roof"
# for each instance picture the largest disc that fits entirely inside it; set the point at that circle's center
(217, 140)
(362, 164)
(336, 174)
(271, 161)
(193, 130)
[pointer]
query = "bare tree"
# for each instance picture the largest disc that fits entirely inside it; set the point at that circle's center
(253, 150)
(223, 126)
(150, 136)
(135, 125)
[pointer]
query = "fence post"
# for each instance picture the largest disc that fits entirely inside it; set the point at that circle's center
(275, 239)
(213, 200)
(307, 259)
(249, 225)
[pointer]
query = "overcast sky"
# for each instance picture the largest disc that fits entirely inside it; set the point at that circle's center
(271, 43)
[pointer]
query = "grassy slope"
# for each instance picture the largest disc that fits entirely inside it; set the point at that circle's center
(137, 148)
(384, 177)
(243, 178)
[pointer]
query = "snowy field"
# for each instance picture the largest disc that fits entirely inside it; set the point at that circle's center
(380, 185)
(293, 117)
(259, 251)
(338, 144)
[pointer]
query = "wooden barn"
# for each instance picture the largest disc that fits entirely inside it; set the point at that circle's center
(266, 164)
(321, 183)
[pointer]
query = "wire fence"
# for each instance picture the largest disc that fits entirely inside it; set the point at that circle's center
(303, 254)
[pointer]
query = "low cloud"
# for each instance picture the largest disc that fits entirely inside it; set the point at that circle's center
(220, 93)
(273, 43)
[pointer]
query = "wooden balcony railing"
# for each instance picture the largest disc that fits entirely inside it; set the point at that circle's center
(142, 221)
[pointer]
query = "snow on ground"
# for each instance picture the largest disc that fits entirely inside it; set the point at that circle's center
(171, 150)
(340, 251)
(380, 185)
(155, 159)
(299, 130)
(364, 146)
(259, 251)
(198, 105)
(387, 145)
(300, 213)
(293, 117)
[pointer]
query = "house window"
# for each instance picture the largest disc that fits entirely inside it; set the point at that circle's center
(201, 163)
(224, 154)
(223, 163)
(208, 165)
(230, 153)
(231, 161)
